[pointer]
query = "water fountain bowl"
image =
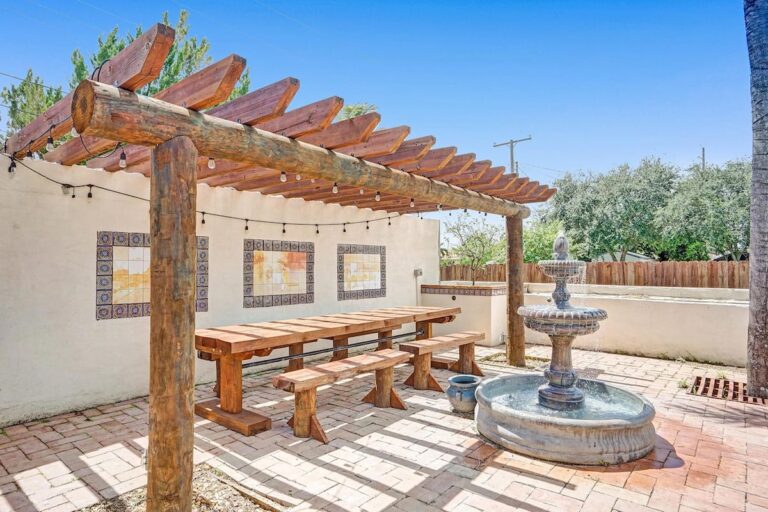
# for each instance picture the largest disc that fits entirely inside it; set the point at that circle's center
(614, 426)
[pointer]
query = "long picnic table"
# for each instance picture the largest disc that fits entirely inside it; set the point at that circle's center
(230, 345)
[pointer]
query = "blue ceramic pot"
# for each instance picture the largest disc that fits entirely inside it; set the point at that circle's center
(461, 392)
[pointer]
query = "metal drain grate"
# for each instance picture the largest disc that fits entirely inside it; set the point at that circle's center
(724, 389)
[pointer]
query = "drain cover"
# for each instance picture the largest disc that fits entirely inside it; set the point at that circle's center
(724, 389)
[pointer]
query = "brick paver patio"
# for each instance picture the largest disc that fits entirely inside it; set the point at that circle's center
(710, 455)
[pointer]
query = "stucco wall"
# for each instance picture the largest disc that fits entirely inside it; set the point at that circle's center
(57, 357)
(705, 324)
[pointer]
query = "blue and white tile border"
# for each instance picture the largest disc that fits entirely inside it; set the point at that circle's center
(265, 301)
(360, 249)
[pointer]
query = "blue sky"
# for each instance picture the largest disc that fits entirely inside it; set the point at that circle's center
(596, 83)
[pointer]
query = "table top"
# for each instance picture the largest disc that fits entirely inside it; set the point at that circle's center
(233, 339)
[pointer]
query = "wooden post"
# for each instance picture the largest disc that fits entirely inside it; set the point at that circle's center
(340, 341)
(384, 344)
(298, 363)
(466, 358)
(172, 326)
(422, 366)
(515, 297)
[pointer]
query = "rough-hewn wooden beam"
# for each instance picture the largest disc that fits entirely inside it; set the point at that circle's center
(203, 89)
(104, 111)
(515, 289)
(172, 222)
(255, 107)
(342, 132)
(135, 66)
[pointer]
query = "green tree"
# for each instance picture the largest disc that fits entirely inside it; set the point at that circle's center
(27, 100)
(538, 237)
(710, 209)
(613, 213)
(477, 242)
(354, 110)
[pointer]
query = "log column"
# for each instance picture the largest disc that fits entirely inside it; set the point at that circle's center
(515, 297)
(172, 326)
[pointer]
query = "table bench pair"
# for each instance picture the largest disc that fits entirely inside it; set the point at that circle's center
(303, 383)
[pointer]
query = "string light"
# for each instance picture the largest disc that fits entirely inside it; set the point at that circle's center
(283, 227)
(389, 220)
(12, 167)
(246, 224)
(335, 188)
(49, 143)
(317, 229)
(367, 226)
(439, 207)
(312, 180)
(377, 197)
(73, 133)
(90, 191)
(298, 177)
(203, 222)
(123, 164)
(465, 210)
(345, 227)
(211, 163)
(73, 192)
(412, 203)
(283, 177)
(362, 191)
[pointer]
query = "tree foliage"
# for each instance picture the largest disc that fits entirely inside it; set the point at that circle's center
(538, 236)
(187, 55)
(27, 100)
(478, 242)
(711, 206)
(354, 110)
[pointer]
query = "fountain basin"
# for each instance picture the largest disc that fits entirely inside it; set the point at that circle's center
(613, 427)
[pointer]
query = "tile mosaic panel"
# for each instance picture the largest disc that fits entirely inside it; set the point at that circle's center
(483, 291)
(361, 271)
(123, 275)
(278, 273)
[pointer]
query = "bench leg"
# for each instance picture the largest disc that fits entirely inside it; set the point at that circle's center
(383, 394)
(466, 363)
(386, 343)
(304, 420)
(298, 363)
(422, 377)
(340, 354)
(217, 386)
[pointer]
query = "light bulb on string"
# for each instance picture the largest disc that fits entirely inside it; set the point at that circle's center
(439, 207)
(211, 163)
(90, 191)
(123, 164)
(412, 203)
(283, 177)
(345, 227)
(246, 224)
(49, 144)
(73, 133)
(389, 221)
(298, 177)
(367, 226)
(283, 227)
(377, 197)
(317, 229)
(362, 191)
(12, 167)
(335, 188)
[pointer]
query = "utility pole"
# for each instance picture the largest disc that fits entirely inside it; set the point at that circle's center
(511, 143)
(703, 159)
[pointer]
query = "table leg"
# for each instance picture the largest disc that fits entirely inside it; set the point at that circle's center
(386, 343)
(298, 363)
(426, 327)
(228, 409)
(466, 358)
(340, 354)
(217, 386)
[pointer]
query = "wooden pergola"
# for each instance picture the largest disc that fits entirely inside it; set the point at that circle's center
(190, 133)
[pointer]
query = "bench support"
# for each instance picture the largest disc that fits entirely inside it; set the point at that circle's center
(298, 363)
(304, 420)
(422, 377)
(383, 394)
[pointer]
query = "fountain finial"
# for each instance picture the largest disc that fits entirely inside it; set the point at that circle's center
(560, 247)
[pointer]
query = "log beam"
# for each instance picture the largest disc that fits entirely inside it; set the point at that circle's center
(172, 326)
(105, 111)
(515, 296)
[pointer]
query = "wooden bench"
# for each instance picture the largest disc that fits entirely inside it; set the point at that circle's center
(304, 383)
(422, 351)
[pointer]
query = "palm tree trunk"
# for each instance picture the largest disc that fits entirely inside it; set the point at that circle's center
(756, 21)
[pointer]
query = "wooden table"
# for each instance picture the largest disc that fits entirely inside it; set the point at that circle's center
(230, 345)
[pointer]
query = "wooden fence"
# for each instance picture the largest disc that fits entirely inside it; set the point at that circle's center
(694, 274)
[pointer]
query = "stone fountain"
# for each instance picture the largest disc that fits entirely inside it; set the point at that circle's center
(558, 416)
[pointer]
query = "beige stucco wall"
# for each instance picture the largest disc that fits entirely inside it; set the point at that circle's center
(704, 324)
(478, 313)
(55, 355)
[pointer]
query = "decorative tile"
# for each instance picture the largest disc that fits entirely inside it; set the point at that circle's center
(361, 271)
(123, 275)
(477, 291)
(277, 272)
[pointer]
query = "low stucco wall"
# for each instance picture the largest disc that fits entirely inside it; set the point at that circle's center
(56, 356)
(703, 324)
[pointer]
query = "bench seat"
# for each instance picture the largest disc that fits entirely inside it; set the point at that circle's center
(304, 383)
(422, 351)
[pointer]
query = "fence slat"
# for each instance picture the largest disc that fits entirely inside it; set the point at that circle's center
(693, 274)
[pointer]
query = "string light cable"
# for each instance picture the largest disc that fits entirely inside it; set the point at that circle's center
(69, 187)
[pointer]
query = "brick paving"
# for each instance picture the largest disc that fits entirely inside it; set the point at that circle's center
(711, 455)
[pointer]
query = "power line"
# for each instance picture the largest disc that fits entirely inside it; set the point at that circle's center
(36, 83)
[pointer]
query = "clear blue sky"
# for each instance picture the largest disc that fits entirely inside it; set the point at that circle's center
(597, 83)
